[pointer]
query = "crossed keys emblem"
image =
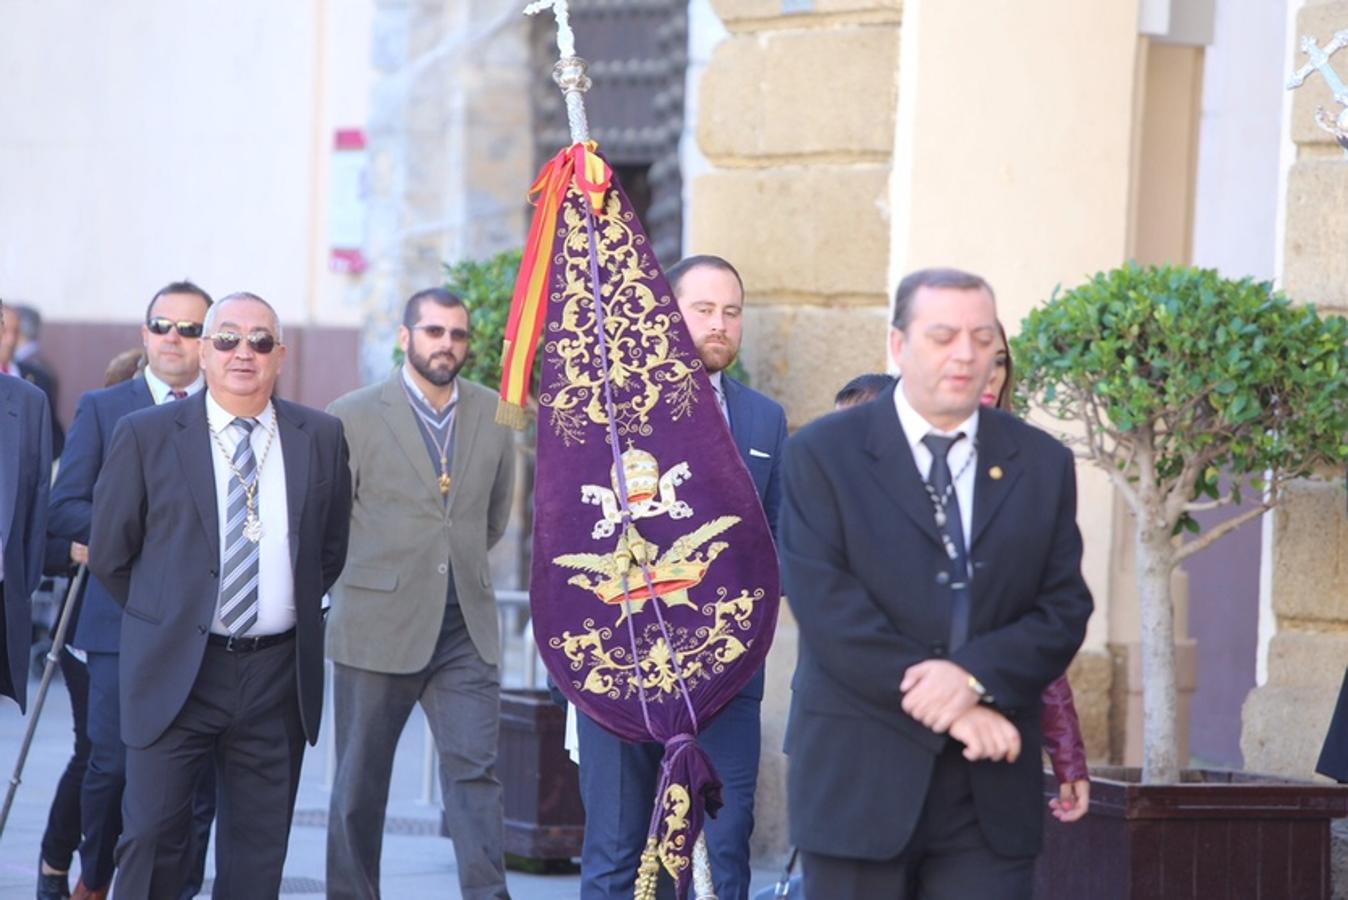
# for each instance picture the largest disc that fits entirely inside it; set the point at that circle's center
(1319, 61)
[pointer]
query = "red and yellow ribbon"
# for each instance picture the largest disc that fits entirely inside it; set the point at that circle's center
(580, 165)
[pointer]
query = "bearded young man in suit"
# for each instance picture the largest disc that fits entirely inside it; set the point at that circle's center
(618, 779)
(170, 334)
(218, 524)
(25, 478)
(913, 737)
(414, 614)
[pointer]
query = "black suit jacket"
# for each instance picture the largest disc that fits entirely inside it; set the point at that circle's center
(155, 540)
(25, 478)
(35, 371)
(865, 573)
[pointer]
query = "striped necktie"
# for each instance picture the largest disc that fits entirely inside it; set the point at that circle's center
(239, 571)
(719, 390)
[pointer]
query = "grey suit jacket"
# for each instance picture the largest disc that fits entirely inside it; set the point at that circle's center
(388, 605)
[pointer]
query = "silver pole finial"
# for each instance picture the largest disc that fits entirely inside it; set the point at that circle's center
(569, 72)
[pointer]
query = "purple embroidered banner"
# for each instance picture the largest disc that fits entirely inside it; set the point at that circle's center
(654, 589)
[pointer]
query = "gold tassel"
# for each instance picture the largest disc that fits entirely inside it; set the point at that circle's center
(511, 415)
(648, 872)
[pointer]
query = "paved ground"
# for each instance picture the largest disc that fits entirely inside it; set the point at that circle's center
(417, 862)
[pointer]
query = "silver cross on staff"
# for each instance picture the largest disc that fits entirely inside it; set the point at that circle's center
(569, 72)
(1319, 62)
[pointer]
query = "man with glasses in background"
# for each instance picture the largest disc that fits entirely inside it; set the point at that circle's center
(414, 614)
(219, 523)
(171, 336)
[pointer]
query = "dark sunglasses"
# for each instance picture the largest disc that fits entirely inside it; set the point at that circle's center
(161, 325)
(435, 332)
(260, 341)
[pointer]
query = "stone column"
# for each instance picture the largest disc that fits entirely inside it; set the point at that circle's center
(796, 119)
(1285, 717)
(449, 147)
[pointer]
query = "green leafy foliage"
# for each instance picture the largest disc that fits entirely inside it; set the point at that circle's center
(1191, 373)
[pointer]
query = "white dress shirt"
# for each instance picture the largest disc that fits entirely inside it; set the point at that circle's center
(962, 466)
(160, 392)
(276, 580)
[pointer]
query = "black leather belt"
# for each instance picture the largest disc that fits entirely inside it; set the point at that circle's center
(240, 644)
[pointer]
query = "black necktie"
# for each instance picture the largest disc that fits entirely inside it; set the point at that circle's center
(178, 395)
(946, 507)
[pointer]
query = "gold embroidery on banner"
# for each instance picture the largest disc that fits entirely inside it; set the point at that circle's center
(646, 367)
(604, 667)
(673, 846)
(672, 574)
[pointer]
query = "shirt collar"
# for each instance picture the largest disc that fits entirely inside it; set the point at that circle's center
(220, 418)
(416, 390)
(916, 427)
(159, 389)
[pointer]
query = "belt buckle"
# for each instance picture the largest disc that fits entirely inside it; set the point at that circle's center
(237, 643)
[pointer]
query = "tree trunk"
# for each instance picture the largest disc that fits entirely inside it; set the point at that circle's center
(1155, 562)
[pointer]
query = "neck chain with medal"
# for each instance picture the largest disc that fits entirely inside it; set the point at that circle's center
(441, 446)
(252, 525)
(941, 501)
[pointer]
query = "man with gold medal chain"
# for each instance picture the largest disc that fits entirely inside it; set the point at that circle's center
(414, 614)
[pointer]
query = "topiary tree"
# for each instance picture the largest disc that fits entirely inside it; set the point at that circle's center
(1172, 378)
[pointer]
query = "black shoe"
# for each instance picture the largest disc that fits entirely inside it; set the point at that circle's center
(52, 887)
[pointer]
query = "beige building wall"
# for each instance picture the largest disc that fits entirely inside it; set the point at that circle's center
(151, 141)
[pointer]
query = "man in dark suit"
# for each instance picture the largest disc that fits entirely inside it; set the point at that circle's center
(617, 779)
(171, 333)
(1333, 762)
(219, 523)
(30, 370)
(25, 478)
(913, 737)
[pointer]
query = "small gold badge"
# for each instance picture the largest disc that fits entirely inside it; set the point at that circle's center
(995, 473)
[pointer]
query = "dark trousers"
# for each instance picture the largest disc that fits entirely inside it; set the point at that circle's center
(62, 837)
(947, 858)
(242, 715)
(101, 796)
(104, 780)
(617, 786)
(461, 696)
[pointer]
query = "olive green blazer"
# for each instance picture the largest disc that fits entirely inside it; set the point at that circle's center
(389, 603)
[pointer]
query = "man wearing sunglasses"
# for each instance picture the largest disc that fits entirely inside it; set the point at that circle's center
(414, 613)
(219, 523)
(171, 337)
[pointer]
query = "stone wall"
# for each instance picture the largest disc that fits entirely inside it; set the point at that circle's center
(1285, 718)
(450, 149)
(796, 118)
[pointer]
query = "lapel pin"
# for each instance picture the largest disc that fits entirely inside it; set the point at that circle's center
(995, 473)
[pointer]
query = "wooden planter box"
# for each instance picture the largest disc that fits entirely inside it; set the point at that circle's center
(544, 819)
(1217, 834)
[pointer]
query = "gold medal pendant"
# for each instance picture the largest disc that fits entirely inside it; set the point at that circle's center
(252, 527)
(444, 484)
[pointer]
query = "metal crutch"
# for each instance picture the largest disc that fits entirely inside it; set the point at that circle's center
(58, 644)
